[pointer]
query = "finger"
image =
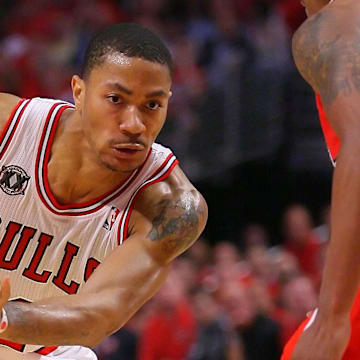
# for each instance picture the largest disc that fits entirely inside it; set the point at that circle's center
(5, 290)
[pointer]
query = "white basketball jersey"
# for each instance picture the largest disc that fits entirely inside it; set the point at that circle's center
(48, 249)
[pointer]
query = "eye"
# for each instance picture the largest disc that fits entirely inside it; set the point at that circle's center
(114, 99)
(153, 105)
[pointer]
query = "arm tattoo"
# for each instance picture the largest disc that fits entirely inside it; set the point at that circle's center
(327, 59)
(176, 223)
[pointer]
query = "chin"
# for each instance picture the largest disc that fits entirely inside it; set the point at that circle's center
(123, 166)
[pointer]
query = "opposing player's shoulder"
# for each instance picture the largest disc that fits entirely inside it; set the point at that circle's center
(176, 212)
(325, 49)
(7, 104)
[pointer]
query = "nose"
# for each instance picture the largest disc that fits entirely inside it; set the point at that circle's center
(131, 122)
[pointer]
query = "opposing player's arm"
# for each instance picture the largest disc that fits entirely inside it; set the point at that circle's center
(7, 104)
(167, 219)
(327, 53)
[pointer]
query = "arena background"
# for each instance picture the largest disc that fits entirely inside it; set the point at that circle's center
(241, 121)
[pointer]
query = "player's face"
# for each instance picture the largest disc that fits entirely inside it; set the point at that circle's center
(313, 6)
(123, 105)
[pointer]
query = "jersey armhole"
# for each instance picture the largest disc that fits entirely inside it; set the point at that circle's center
(161, 174)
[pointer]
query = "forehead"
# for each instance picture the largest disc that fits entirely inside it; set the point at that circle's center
(132, 72)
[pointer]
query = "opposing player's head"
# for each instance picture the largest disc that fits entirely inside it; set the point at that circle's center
(123, 94)
(313, 6)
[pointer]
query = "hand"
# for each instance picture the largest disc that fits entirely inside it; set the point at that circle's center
(323, 341)
(4, 291)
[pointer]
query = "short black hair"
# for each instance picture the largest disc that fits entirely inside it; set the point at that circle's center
(130, 39)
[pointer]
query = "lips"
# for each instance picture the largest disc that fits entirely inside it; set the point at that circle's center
(128, 151)
(129, 146)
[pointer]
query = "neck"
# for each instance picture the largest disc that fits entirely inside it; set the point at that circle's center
(82, 176)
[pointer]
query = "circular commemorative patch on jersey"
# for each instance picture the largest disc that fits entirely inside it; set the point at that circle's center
(13, 180)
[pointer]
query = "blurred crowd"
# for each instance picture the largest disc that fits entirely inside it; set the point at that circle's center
(238, 300)
(233, 70)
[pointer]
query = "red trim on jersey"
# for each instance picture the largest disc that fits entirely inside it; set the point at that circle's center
(154, 174)
(141, 189)
(8, 123)
(39, 152)
(331, 138)
(46, 350)
(48, 192)
(13, 345)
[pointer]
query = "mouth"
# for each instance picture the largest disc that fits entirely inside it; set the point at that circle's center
(129, 146)
(127, 151)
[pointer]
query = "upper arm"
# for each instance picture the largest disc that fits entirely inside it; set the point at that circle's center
(166, 220)
(7, 104)
(170, 217)
(326, 51)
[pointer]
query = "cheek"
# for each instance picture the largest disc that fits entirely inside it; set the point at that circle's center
(92, 123)
(158, 124)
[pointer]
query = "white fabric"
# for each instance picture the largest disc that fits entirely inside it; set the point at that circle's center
(312, 319)
(61, 353)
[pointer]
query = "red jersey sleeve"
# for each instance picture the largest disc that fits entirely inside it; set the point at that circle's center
(332, 140)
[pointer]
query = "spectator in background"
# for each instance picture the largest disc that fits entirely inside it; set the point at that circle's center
(229, 265)
(298, 297)
(213, 333)
(285, 265)
(265, 281)
(301, 241)
(259, 334)
(170, 329)
(254, 234)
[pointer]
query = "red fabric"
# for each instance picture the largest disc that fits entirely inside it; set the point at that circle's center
(168, 336)
(332, 140)
(290, 346)
(288, 324)
(353, 349)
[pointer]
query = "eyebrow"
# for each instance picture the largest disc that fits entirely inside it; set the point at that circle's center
(119, 87)
(157, 93)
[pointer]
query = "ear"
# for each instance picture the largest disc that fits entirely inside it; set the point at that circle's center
(78, 89)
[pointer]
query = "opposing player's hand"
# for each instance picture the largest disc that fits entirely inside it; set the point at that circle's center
(4, 291)
(323, 341)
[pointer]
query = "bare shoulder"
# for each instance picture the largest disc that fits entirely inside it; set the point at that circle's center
(7, 104)
(326, 50)
(172, 214)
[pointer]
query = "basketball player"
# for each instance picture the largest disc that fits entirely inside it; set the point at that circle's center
(92, 210)
(326, 50)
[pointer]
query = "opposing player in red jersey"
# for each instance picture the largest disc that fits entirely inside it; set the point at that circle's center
(326, 50)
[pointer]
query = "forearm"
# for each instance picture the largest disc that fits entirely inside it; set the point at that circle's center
(341, 278)
(89, 316)
(68, 320)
